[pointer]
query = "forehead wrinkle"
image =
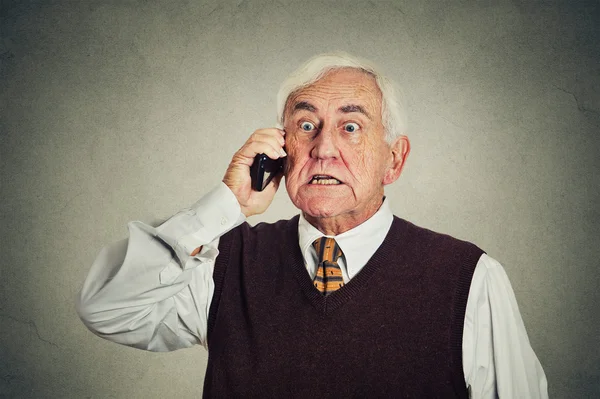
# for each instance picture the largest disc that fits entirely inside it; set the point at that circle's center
(355, 96)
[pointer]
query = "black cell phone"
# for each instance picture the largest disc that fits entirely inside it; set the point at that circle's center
(263, 170)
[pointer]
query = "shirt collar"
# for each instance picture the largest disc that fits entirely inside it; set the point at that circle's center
(358, 244)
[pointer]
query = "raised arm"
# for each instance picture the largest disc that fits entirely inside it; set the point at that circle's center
(153, 290)
(148, 291)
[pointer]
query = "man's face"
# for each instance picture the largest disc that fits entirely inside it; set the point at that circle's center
(338, 157)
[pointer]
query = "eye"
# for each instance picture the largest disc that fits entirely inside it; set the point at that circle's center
(351, 127)
(307, 126)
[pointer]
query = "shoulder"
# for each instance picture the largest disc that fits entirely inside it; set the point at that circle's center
(427, 239)
(490, 274)
(248, 235)
(264, 229)
(278, 227)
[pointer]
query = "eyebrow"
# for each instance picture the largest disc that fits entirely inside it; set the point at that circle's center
(305, 105)
(354, 108)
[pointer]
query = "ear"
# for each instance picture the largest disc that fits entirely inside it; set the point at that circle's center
(400, 149)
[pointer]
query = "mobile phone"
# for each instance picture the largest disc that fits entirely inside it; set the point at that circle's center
(263, 170)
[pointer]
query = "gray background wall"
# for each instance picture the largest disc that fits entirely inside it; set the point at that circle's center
(119, 110)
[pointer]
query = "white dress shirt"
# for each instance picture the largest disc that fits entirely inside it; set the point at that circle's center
(149, 293)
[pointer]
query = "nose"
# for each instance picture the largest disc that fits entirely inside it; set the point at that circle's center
(325, 144)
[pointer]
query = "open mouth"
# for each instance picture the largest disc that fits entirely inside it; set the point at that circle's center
(324, 180)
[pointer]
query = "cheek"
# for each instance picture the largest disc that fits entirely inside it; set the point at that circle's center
(291, 148)
(291, 145)
(294, 162)
(368, 164)
(360, 161)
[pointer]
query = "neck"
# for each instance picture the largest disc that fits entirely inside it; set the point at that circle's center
(335, 225)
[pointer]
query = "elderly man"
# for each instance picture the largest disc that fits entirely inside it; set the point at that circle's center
(344, 300)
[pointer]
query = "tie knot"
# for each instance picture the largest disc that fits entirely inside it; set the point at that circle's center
(327, 250)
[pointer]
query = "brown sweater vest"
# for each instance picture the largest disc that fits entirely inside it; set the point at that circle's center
(395, 330)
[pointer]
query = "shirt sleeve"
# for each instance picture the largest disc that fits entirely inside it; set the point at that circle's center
(147, 291)
(498, 360)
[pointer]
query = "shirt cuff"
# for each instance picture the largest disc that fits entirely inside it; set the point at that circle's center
(208, 219)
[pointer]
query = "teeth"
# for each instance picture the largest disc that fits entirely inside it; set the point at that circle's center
(324, 181)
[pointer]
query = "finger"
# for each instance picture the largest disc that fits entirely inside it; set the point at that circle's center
(271, 130)
(250, 150)
(269, 144)
(273, 138)
(277, 142)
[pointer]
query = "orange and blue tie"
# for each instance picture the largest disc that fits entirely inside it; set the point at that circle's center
(329, 275)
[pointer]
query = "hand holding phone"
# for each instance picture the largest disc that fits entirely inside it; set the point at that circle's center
(255, 170)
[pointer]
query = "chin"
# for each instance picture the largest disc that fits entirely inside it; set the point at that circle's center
(320, 207)
(321, 202)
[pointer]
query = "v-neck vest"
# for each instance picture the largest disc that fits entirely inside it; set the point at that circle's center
(394, 330)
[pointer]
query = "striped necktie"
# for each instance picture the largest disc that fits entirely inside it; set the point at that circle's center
(329, 275)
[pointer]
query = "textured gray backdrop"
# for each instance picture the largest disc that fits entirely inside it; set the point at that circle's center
(120, 110)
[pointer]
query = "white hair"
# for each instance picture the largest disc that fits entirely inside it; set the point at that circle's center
(392, 111)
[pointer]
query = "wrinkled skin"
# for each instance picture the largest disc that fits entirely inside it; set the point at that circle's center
(333, 127)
